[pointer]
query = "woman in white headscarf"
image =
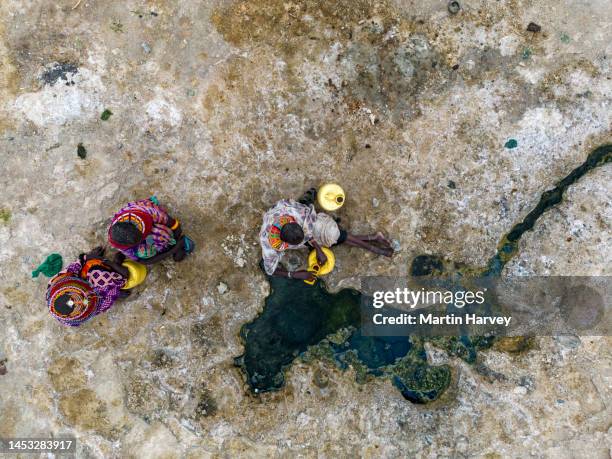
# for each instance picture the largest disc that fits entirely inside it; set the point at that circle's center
(291, 225)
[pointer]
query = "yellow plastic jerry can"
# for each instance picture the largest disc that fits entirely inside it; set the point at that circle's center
(331, 196)
(316, 269)
(138, 273)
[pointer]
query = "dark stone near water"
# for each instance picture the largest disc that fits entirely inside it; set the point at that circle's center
(453, 7)
(81, 151)
(59, 71)
(533, 27)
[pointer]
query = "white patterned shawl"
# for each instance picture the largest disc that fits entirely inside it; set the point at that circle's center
(304, 215)
(326, 231)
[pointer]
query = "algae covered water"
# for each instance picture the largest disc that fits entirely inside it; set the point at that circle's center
(296, 316)
(305, 321)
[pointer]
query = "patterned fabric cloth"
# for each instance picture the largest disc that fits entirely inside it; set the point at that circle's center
(105, 286)
(283, 212)
(82, 298)
(158, 239)
(325, 231)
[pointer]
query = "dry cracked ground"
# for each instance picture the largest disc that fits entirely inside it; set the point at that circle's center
(222, 107)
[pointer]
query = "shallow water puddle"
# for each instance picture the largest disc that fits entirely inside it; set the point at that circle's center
(300, 320)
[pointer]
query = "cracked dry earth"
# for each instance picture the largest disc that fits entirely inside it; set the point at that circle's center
(220, 108)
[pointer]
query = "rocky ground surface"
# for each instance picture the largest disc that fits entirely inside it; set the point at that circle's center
(220, 109)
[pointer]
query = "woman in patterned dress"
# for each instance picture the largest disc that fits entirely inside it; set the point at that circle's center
(144, 232)
(86, 288)
(291, 225)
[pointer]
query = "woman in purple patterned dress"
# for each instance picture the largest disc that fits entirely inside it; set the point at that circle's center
(86, 288)
(144, 232)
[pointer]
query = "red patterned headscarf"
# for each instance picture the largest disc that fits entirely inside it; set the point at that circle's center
(142, 220)
(274, 232)
(82, 298)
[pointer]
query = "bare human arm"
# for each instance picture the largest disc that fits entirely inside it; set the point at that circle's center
(98, 254)
(321, 257)
(302, 274)
(118, 268)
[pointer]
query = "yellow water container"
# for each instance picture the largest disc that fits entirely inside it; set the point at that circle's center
(313, 264)
(138, 273)
(331, 196)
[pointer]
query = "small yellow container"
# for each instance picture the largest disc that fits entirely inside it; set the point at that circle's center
(313, 264)
(331, 196)
(138, 273)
